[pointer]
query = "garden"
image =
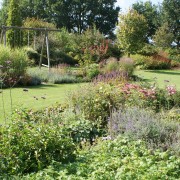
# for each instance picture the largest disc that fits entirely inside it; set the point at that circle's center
(105, 107)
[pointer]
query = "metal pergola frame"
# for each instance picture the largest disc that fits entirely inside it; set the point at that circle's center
(46, 40)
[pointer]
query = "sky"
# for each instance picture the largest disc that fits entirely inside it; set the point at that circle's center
(125, 4)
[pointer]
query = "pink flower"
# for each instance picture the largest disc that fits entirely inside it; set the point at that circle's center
(171, 89)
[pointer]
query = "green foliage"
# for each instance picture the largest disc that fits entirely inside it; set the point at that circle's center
(33, 35)
(14, 19)
(96, 102)
(120, 158)
(32, 55)
(132, 30)
(170, 15)
(147, 96)
(55, 76)
(148, 62)
(81, 130)
(4, 10)
(152, 15)
(127, 65)
(111, 65)
(14, 62)
(174, 54)
(92, 71)
(113, 51)
(163, 38)
(73, 15)
(92, 47)
(148, 50)
(27, 146)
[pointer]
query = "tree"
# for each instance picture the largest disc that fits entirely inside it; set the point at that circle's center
(151, 13)
(78, 15)
(171, 15)
(163, 38)
(3, 12)
(132, 30)
(14, 19)
(74, 15)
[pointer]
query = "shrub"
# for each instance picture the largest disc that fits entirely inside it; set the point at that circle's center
(92, 71)
(14, 63)
(113, 51)
(42, 73)
(81, 130)
(96, 102)
(56, 76)
(148, 50)
(174, 55)
(32, 54)
(26, 146)
(151, 62)
(61, 79)
(127, 65)
(142, 124)
(150, 96)
(27, 80)
(111, 65)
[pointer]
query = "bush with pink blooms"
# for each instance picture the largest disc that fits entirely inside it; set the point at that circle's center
(150, 96)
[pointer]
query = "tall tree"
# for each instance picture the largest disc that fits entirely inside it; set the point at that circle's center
(163, 38)
(152, 15)
(132, 30)
(171, 15)
(14, 19)
(78, 15)
(3, 12)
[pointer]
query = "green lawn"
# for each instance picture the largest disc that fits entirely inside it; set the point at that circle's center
(161, 77)
(36, 97)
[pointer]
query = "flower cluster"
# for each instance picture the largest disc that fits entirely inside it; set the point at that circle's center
(171, 89)
(129, 88)
(151, 93)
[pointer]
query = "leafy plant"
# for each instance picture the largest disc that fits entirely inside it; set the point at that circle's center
(96, 102)
(26, 146)
(115, 159)
(14, 63)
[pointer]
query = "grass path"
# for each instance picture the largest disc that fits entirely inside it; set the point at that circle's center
(36, 97)
(160, 76)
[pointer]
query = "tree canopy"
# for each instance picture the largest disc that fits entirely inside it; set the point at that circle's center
(74, 15)
(171, 15)
(151, 13)
(14, 19)
(132, 29)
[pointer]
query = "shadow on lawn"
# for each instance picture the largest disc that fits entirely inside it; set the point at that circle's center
(164, 72)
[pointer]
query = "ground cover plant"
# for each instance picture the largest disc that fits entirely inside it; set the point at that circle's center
(120, 158)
